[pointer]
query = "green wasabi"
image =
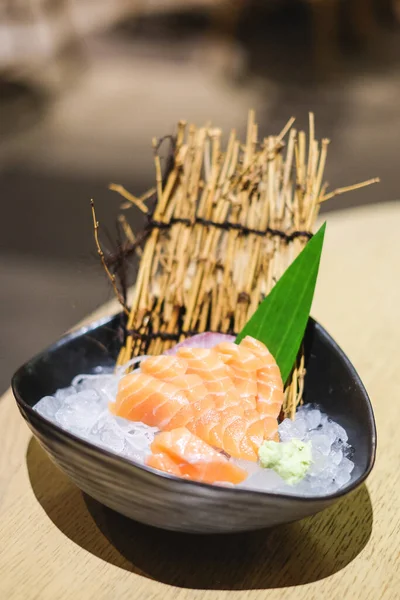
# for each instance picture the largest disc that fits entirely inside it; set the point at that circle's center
(290, 460)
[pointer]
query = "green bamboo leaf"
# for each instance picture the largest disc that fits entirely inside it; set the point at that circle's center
(281, 319)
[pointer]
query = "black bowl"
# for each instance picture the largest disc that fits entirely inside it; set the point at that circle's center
(165, 501)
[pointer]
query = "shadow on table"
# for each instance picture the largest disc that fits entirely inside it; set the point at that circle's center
(288, 555)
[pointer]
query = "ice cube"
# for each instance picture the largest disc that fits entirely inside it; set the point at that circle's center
(340, 432)
(313, 418)
(321, 442)
(343, 476)
(330, 432)
(346, 465)
(324, 419)
(48, 406)
(330, 470)
(286, 430)
(336, 456)
(319, 462)
(138, 441)
(106, 386)
(331, 488)
(127, 426)
(64, 393)
(81, 398)
(112, 437)
(299, 428)
(264, 479)
(102, 419)
(79, 411)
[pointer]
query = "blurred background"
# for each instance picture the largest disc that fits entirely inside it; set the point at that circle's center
(86, 84)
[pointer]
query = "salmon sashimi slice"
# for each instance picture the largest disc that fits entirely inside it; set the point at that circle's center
(199, 398)
(229, 430)
(164, 367)
(195, 458)
(189, 414)
(144, 398)
(163, 462)
(172, 369)
(211, 426)
(192, 386)
(206, 363)
(243, 367)
(262, 425)
(269, 380)
(214, 373)
(208, 428)
(239, 442)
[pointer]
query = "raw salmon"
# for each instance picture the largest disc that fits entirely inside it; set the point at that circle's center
(206, 363)
(225, 427)
(193, 458)
(163, 462)
(263, 425)
(243, 365)
(173, 370)
(228, 431)
(228, 396)
(216, 417)
(164, 367)
(269, 380)
(144, 398)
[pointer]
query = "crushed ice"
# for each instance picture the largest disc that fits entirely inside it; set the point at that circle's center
(82, 409)
(331, 467)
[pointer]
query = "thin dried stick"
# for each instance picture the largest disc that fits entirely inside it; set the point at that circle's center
(285, 130)
(115, 187)
(100, 252)
(349, 188)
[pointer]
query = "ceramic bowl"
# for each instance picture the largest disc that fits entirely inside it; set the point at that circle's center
(160, 499)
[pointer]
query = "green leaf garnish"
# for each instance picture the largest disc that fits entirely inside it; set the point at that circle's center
(281, 319)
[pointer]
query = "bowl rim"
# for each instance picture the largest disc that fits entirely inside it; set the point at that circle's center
(113, 457)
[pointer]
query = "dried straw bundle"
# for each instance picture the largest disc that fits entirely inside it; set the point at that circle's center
(224, 226)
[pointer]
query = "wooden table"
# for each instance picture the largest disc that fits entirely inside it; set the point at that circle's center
(57, 544)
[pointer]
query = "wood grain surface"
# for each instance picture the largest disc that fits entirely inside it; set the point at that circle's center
(56, 543)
